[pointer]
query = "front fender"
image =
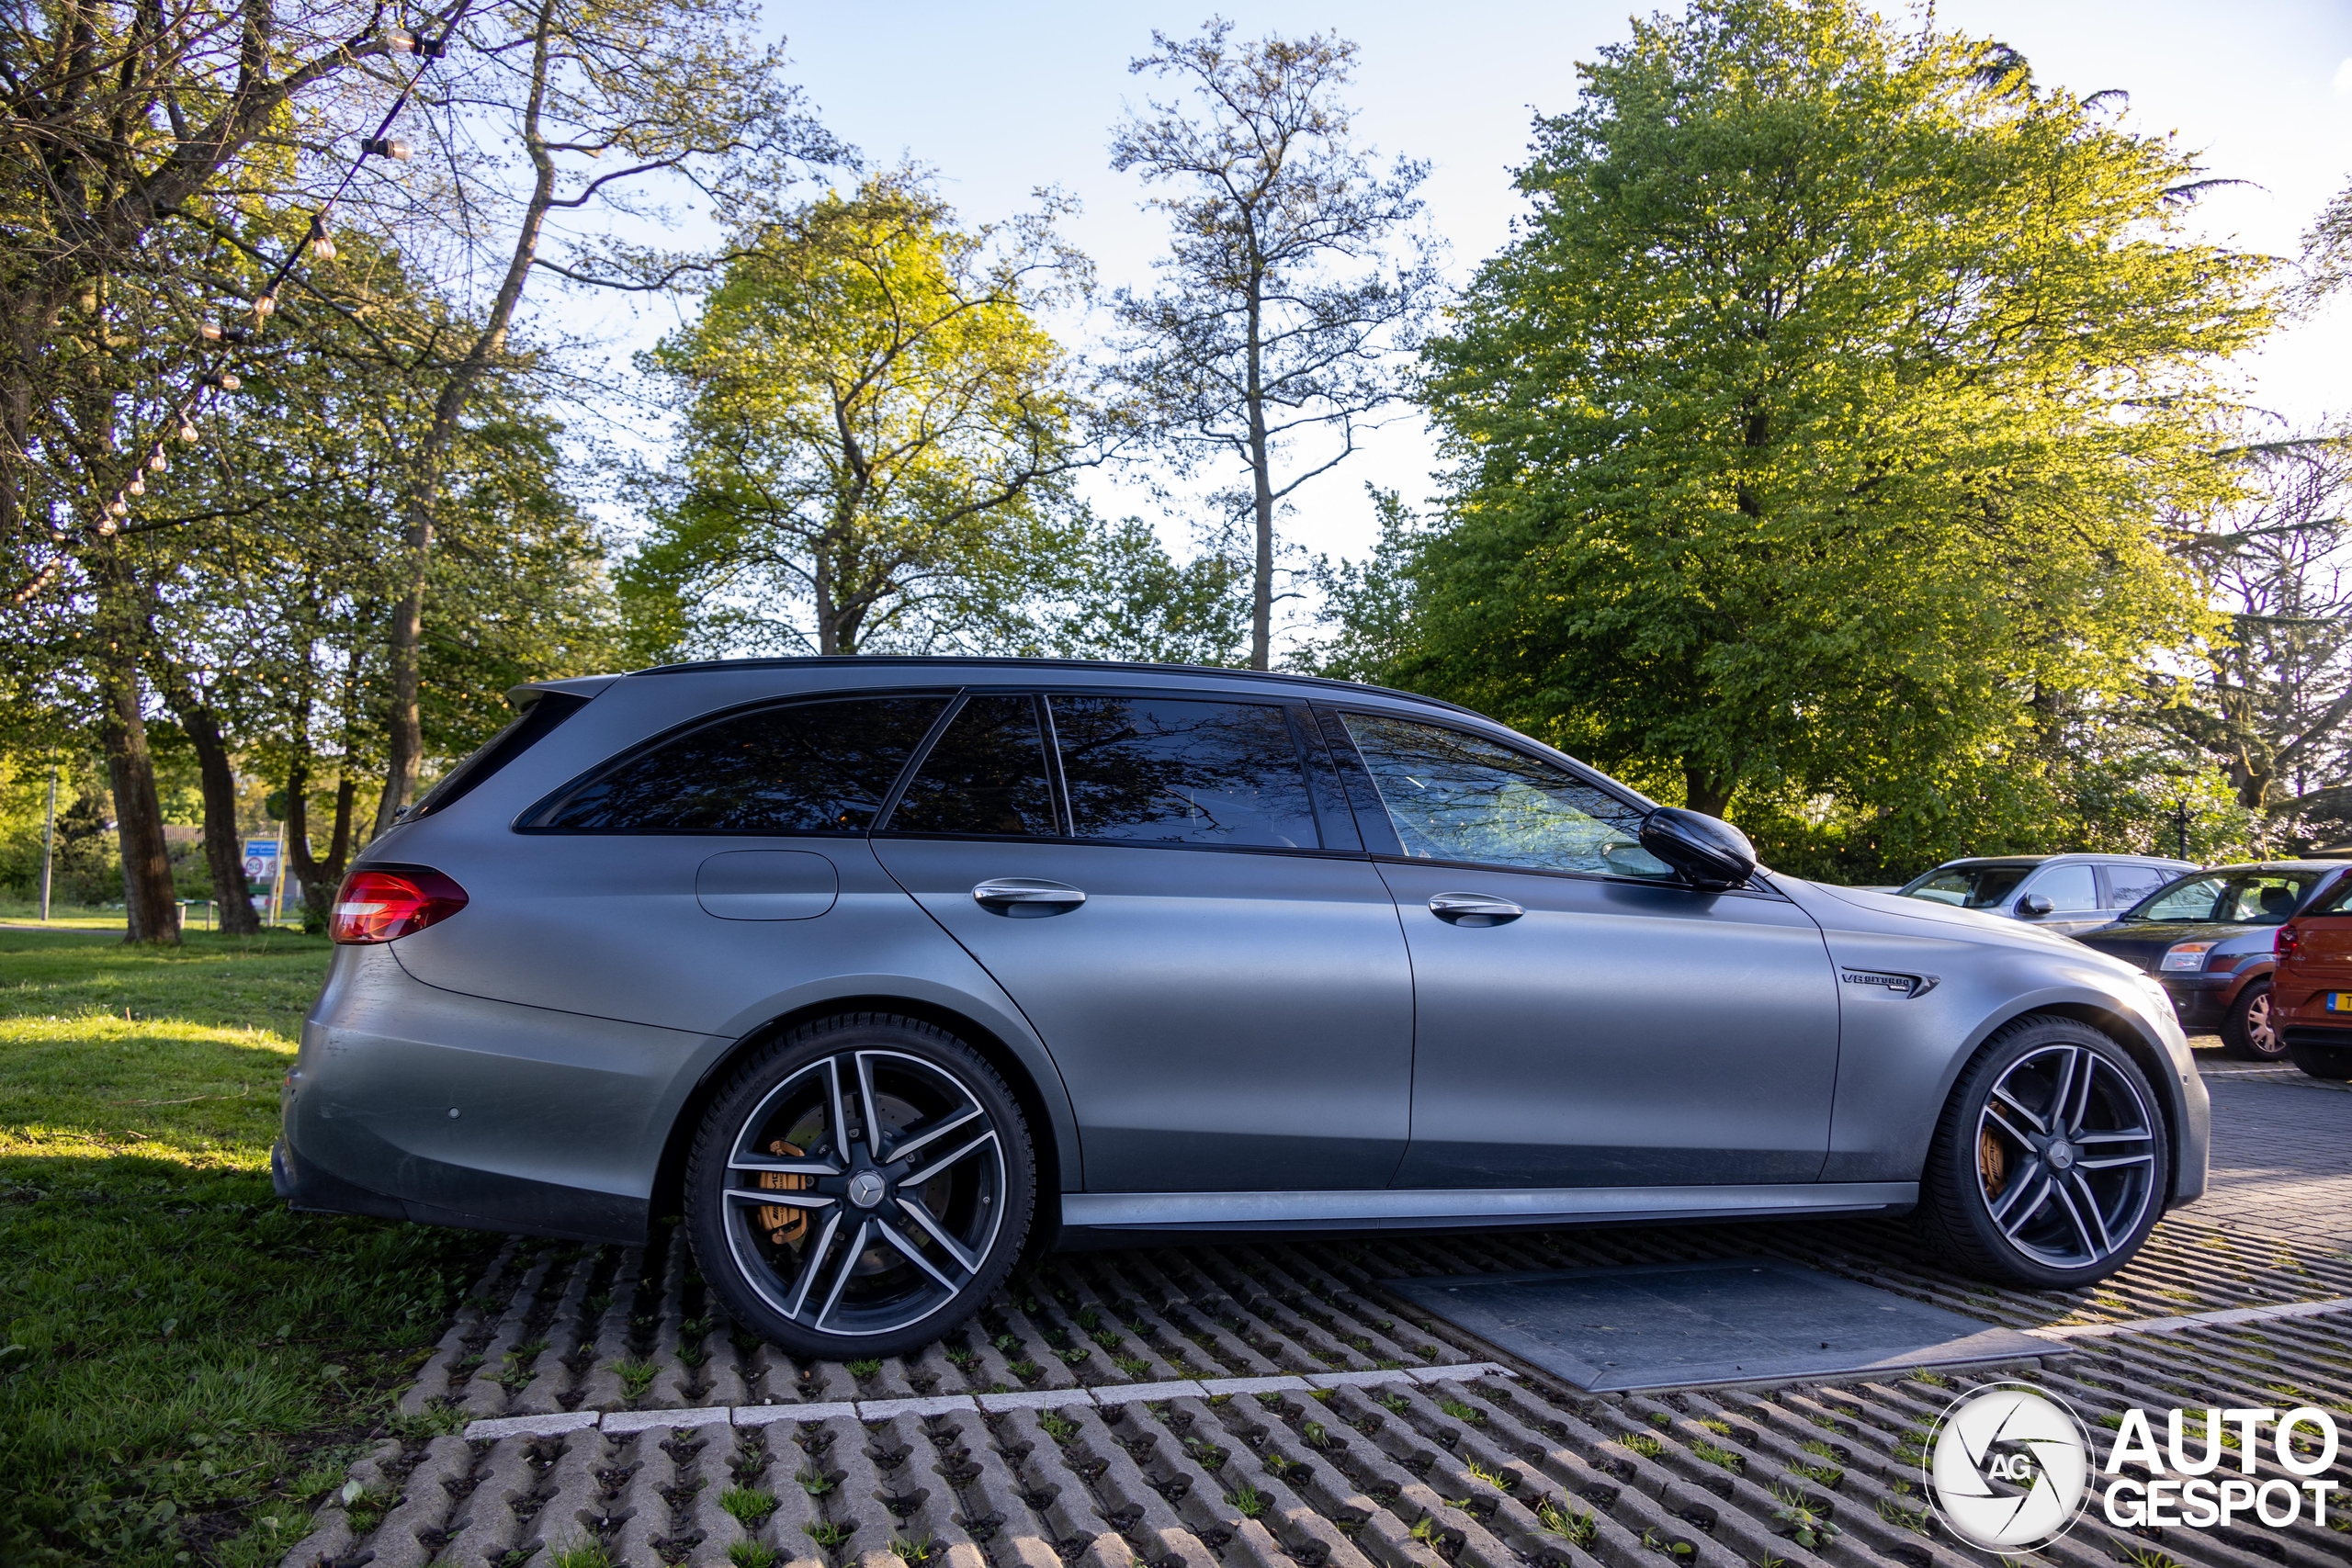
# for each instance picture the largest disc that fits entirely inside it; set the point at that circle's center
(1900, 1056)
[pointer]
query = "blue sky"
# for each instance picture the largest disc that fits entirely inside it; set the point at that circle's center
(1001, 98)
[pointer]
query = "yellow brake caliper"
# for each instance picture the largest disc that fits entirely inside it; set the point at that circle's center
(785, 1226)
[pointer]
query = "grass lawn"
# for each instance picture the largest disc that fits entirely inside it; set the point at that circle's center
(184, 1367)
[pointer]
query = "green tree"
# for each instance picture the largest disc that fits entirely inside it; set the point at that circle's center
(877, 435)
(1810, 440)
(1131, 600)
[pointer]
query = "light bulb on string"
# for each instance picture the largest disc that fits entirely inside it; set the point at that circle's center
(157, 462)
(322, 247)
(188, 431)
(107, 527)
(209, 332)
(136, 487)
(390, 147)
(399, 41)
(117, 507)
(263, 305)
(226, 380)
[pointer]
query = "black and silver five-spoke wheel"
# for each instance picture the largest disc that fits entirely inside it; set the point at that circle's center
(860, 1187)
(2049, 1163)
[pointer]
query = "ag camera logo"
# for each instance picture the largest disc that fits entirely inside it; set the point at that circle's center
(2008, 1468)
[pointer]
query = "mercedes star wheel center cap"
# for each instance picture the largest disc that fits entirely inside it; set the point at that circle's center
(2061, 1155)
(865, 1188)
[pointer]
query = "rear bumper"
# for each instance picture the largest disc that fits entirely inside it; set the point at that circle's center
(411, 1103)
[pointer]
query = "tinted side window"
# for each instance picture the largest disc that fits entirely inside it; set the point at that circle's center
(986, 774)
(819, 767)
(2127, 884)
(527, 729)
(1171, 770)
(1457, 797)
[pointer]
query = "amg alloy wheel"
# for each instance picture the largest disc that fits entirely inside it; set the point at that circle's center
(2050, 1162)
(860, 1187)
(2251, 1032)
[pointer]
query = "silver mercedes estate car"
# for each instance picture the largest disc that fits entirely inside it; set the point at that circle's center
(879, 970)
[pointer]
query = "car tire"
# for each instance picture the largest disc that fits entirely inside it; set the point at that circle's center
(829, 1246)
(2249, 1032)
(2333, 1062)
(2051, 1160)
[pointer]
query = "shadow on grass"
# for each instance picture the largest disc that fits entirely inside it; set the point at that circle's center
(181, 1359)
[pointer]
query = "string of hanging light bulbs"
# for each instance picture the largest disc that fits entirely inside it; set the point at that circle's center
(216, 378)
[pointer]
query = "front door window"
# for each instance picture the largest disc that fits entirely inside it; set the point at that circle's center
(1462, 798)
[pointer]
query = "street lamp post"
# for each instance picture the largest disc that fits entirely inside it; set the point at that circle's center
(47, 839)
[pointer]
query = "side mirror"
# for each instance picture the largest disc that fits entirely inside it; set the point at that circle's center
(1710, 853)
(2033, 905)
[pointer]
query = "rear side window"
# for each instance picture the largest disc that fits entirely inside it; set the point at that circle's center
(986, 774)
(2336, 900)
(1171, 771)
(525, 730)
(2127, 884)
(819, 767)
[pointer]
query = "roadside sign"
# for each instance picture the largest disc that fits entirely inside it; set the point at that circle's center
(261, 859)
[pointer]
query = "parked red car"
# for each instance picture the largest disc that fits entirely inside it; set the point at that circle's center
(2311, 997)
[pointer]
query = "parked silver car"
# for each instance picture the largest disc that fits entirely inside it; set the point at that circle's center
(2059, 893)
(876, 966)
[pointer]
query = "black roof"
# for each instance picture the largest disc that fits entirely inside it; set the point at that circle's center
(1003, 662)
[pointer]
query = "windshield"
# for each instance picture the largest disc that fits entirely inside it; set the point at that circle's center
(1968, 886)
(2228, 898)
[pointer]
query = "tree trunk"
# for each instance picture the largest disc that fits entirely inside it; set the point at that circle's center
(318, 878)
(223, 851)
(1706, 790)
(405, 750)
(149, 910)
(1262, 579)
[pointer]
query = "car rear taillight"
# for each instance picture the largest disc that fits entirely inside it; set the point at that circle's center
(379, 903)
(2288, 940)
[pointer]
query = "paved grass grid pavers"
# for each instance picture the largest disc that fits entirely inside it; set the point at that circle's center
(1425, 1456)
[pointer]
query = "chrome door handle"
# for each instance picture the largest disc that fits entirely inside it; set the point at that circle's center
(1008, 894)
(1473, 908)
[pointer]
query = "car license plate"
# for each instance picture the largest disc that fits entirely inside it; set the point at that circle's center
(2339, 1001)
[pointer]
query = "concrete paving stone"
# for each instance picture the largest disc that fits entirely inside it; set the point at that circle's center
(1033, 1399)
(576, 1502)
(440, 1371)
(1140, 1393)
(1275, 1383)
(678, 1384)
(545, 1425)
(485, 1391)
(769, 1414)
(921, 1404)
(633, 1519)
(483, 1524)
(550, 1371)
(1357, 1379)
(617, 1423)
(409, 1534)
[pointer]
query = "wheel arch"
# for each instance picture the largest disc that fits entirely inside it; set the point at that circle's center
(2147, 1054)
(1052, 1136)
